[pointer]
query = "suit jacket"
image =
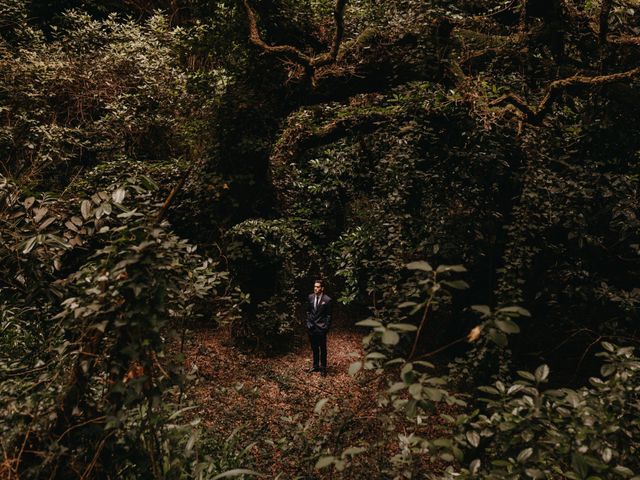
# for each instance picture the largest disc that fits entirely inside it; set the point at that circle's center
(319, 319)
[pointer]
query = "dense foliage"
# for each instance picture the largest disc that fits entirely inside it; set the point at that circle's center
(167, 164)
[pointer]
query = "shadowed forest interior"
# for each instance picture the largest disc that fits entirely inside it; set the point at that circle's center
(463, 177)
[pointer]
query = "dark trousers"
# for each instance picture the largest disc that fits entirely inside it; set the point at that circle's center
(319, 348)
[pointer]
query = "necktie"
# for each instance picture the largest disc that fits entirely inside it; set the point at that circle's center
(317, 301)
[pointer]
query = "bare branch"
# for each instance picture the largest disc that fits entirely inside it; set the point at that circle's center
(556, 87)
(287, 51)
(174, 191)
(330, 57)
(293, 54)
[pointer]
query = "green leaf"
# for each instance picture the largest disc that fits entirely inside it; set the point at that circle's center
(395, 361)
(473, 438)
(447, 457)
(148, 182)
(515, 388)
(410, 408)
(407, 304)
(457, 284)
(498, 337)
(236, 472)
(324, 462)
(579, 465)
(541, 373)
(507, 326)
(483, 309)
(434, 394)
(355, 368)
(375, 356)
(403, 327)
(353, 451)
(450, 268)
(389, 337)
(623, 471)
(424, 363)
(524, 455)
(415, 390)
(527, 375)
(396, 387)
(191, 442)
(369, 322)
(489, 390)
(29, 202)
(517, 310)
(177, 413)
(129, 213)
(420, 265)
(535, 473)
(607, 369)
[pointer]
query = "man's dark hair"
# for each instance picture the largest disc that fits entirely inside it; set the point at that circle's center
(321, 282)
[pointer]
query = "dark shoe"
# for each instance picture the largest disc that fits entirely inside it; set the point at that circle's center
(313, 369)
(323, 372)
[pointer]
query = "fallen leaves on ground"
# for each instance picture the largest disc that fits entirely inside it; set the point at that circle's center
(271, 400)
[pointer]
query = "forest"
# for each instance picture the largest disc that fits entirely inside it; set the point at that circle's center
(462, 178)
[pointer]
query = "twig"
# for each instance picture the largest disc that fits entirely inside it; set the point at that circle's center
(584, 354)
(78, 425)
(21, 371)
(422, 324)
(444, 347)
(94, 460)
(173, 193)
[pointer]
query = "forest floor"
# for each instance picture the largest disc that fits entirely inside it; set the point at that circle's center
(270, 402)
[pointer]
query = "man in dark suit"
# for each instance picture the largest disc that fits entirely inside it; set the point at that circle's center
(318, 323)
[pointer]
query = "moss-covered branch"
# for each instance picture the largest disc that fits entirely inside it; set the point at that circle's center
(536, 114)
(291, 53)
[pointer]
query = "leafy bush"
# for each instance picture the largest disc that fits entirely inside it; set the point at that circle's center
(521, 431)
(109, 283)
(516, 430)
(269, 259)
(98, 89)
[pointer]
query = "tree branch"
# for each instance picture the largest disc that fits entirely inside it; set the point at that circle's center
(291, 53)
(535, 115)
(174, 191)
(330, 57)
(296, 140)
(287, 51)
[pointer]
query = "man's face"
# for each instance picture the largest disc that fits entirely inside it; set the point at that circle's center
(317, 288)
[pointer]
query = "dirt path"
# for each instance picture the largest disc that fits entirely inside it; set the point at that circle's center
(273, 400)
